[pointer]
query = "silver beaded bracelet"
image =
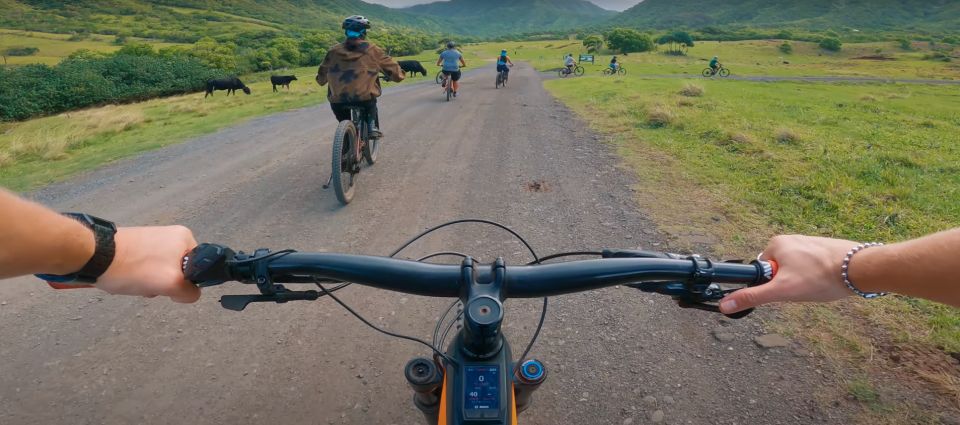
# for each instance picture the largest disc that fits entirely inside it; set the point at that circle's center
(846, 266)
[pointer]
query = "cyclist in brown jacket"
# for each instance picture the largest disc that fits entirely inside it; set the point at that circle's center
(353, 68)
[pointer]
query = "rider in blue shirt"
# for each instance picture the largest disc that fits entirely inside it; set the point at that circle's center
(502, 62)
(451, 60)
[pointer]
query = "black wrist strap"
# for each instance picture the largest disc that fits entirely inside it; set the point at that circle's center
(103, 232)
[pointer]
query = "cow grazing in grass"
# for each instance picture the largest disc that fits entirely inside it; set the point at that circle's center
(230, 84)
(282, 80)
(412, 67)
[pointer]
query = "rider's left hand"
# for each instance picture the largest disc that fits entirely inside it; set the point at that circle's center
(148, 263)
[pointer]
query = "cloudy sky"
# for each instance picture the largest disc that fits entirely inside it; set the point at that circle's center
(607, 4)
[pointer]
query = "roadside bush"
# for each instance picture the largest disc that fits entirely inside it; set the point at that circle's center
(786, 48)
(35, 90)
(677, 42)
(905, 44)
(831, 44)
(659, 116)
(628, 41)
(787, 136)
(21, 51)
(692, 90)
(938, 55)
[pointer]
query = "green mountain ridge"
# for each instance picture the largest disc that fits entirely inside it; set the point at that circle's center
(810, 14)
(185, 20)
(498, 17)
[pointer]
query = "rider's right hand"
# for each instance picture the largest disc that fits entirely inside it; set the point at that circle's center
(809, 270)
(148, 263)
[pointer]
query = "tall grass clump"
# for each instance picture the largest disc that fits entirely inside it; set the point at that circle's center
(692, 90)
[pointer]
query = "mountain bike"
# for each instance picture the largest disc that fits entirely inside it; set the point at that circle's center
(352, 144)
(620, 71)
(723, 72)
(577, 71)
(447, 83)
(476, 379)
(502, 77)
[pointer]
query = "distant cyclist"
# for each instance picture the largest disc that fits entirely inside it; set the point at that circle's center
(353, 69)
(614, 66)
(502, 61)
(451, 60)
(569, 62)
(715, 64)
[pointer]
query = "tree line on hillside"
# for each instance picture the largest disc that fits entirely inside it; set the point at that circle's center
(626, 40)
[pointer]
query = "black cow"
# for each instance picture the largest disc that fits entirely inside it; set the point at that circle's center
(282, 80)
(412, 66)
(230, 84)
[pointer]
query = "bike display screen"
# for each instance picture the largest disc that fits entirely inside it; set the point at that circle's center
(482, 388)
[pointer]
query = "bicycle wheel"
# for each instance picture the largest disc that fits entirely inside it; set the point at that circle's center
(503, 81)
(372, 148)
(449, 90)
(578, 71)
(724, 72)
(440, 78)
(344, 167)
(622, 72)
(707, 72)
(561, 73)
(499, 80)
(607, 71)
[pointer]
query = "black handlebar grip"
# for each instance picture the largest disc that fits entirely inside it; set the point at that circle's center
(206, 265)
(766, 271)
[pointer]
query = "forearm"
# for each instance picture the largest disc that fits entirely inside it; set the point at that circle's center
(920, 268)
(38, 240)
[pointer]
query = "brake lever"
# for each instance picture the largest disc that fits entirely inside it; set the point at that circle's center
(240, 302)
(706, 300)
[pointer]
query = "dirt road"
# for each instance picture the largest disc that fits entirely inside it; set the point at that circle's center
(614, 356)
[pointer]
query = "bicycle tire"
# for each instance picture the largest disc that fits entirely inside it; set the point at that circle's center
(578, 71)
(561, 73)
(707, 72)
(371, 150)
(499, 80)
(449, 89)
(724, 72)
(622, 71)
(607, 71)
(344, 145)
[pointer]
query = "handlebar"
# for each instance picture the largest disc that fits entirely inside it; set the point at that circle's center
(692, 281)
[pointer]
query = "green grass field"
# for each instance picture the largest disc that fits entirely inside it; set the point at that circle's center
(761, 57)
(56, 47)
(752, 159)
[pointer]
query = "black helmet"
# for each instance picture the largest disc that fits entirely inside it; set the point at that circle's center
(451, 44)
(356, 23)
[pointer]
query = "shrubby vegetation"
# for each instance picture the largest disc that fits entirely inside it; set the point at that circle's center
(626, 41)
(677, 42)
(832, 44)
(88, 78)
(20, 51)
(786, 48)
